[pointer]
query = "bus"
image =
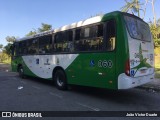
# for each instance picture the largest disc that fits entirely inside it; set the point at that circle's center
(112, 51)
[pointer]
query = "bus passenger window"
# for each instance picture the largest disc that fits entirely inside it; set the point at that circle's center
(78, 34)
(91, 38)
(23, 47)
(80, 42)
(100, 30)
(96, 38)
(63, 41)
(15, 49)
(111, 35)
(33, 46)
(45, 44)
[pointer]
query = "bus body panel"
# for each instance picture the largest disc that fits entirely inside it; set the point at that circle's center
(141, 57)
(87, 69)
(43, 65)
(140, 54)
(93, 69)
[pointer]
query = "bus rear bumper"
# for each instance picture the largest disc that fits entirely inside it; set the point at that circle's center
(126, 82)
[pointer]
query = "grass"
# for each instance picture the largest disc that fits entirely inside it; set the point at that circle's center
(157, 72)
(157, 66)
(7, 62)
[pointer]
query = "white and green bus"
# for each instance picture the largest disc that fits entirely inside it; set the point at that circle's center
(113, 51)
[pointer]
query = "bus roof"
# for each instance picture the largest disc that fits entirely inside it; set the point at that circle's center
(66, 27)
(88, 21)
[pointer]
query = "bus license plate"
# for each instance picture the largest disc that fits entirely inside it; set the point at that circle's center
(143, 71)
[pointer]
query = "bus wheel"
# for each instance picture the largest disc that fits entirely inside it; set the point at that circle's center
(21, 72)
(60, 80)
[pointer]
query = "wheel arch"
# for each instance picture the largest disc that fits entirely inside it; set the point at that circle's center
(58, 68)
(18, 66)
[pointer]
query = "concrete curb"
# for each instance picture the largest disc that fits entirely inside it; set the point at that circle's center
(151, 86)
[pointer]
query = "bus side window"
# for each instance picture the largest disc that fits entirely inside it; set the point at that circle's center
(33, 46)
(69, 41)
(111, 35)
(58, 42)
(45, 44)
(96, 38)
(23, 47)
(15, 49)
(100, 30)
(81, 36)
(63, 41)
(77, 34)
(89, 38)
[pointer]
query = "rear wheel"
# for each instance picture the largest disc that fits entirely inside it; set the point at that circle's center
(60, 80)
(21, 72)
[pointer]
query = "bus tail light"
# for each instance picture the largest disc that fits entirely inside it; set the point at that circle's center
(127, 68)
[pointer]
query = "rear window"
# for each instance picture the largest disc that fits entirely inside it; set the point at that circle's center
(137, 28)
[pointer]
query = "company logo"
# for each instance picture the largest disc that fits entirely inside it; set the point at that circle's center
(37, 61)
(47, 62)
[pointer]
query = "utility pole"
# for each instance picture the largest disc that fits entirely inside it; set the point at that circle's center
(153, 10)
(138, 7)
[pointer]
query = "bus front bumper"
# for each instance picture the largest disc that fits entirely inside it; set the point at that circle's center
(126, 82)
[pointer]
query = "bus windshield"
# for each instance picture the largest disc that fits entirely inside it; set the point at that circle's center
(137, 28)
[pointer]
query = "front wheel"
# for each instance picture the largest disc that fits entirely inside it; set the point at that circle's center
(60, 80)
(21, 72)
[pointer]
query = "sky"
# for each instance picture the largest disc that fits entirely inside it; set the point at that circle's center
(18, 17)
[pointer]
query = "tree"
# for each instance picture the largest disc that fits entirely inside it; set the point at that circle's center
(133, 5)
(1, 46)
(158, 22)
(7, 49)
(4, 57)
(10, 39)
(31, 33)
(44, 27)
(155, 30)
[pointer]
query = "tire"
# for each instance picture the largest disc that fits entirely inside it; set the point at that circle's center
(21, 72)
(60, 80)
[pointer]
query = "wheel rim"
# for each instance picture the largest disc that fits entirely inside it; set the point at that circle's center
(20, 71)
(59, 81)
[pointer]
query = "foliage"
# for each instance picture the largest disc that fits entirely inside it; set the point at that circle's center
(157, 62)
(7, 49)
(31, 33)
(155, 30)
(11, 39)
(1, 46)
(4, 58)
(44, 27)
(157, 74)
(132, 5)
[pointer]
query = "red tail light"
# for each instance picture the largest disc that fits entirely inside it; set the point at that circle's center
(127, 68)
